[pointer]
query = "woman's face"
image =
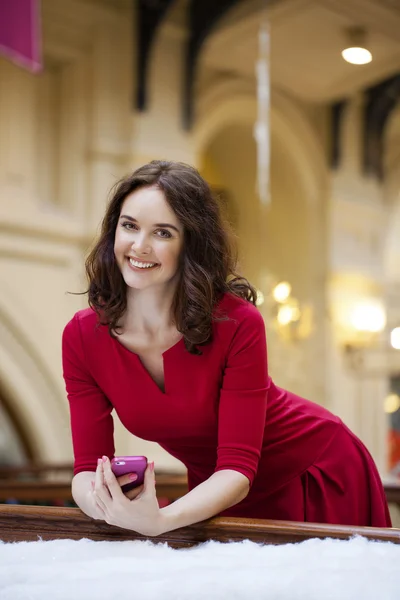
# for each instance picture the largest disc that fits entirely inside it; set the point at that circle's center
(148, 239)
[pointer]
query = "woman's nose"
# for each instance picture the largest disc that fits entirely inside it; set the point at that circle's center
(141, 245)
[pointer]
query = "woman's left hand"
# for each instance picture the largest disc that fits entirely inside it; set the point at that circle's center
(142, 514)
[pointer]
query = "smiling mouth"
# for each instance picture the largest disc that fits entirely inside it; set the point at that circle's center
(142, 265)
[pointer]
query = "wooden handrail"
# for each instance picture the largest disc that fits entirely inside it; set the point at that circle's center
(28, 523)
(392, 491)
(11, 472)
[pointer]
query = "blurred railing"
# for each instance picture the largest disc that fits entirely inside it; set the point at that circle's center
(46, 484)
(51, 484)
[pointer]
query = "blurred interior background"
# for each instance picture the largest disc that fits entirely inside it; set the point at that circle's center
(107, 85)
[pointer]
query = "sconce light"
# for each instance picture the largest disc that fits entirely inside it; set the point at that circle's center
(368, 321)
(292, 320)
(356, 51)
(358, 321)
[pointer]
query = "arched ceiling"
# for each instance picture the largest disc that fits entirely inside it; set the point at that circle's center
(307, 37)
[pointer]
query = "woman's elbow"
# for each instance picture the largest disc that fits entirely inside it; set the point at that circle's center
(241, 485)
(245, 488)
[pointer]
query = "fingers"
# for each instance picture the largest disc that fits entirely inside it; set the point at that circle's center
(99, 482)
(100, 491)
(132, 494)
(127, 479)
(149, 479)
(110, 480)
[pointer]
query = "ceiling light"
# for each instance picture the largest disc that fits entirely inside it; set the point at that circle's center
(355, 51)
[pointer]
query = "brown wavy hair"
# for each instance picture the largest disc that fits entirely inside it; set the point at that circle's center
(207, 263)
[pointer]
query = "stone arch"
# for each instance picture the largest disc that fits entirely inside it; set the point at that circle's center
(229, 107)
(30, 390)
(229, 102)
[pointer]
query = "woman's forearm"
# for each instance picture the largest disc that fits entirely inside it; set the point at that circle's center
(82, 493)
(220, 491)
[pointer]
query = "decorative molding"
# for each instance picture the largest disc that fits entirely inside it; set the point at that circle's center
(372, 362)
(48, 231)
(38, 257)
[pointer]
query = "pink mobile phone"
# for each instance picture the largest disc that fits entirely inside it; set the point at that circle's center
(121, 465)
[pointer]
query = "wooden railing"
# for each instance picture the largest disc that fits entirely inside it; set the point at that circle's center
(392, 491)
(35, 482)
(168, 486)
(35, 470)
(28, 523)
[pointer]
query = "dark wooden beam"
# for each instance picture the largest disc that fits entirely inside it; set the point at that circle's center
(203, 17)
(380, 102)
(149, 15)
(337, 111)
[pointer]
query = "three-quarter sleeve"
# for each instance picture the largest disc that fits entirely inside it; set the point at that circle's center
(92, 424)
(243, 398)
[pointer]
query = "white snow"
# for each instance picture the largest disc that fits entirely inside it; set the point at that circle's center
(85, 570)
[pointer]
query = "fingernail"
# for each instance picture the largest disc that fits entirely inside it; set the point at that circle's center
(92, 482)
(133, 476)
(104, 458)
(99, 461)
(151, 465)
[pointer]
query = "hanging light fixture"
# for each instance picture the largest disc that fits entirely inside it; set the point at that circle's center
(356, 51)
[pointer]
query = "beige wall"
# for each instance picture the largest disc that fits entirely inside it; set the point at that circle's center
(66, 136)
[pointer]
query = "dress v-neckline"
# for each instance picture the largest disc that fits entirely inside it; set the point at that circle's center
(164, 354)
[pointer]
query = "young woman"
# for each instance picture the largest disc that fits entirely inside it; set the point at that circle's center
(173, 342)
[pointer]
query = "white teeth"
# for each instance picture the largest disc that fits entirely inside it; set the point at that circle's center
(141, 265)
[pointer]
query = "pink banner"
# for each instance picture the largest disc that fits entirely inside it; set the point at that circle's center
(20, 32)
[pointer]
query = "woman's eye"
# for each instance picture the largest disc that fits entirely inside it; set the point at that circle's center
(128, 225)
(164, 233)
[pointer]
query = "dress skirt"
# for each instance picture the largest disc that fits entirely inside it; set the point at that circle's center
(341, 487)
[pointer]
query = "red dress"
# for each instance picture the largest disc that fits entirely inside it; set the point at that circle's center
(219, 411)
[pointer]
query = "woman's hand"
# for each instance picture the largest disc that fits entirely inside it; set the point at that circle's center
(138, 510)
(93, 509)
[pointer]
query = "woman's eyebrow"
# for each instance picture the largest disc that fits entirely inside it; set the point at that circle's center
(165, 225)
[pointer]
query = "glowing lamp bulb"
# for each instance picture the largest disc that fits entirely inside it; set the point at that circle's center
(369, 318)
(357, 56)
(282, 291)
